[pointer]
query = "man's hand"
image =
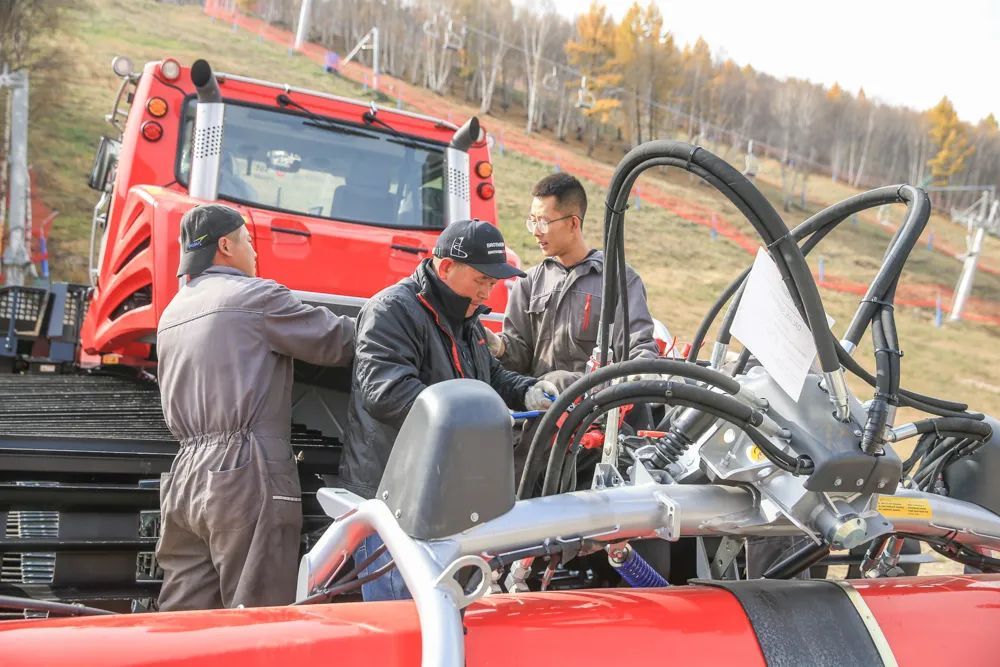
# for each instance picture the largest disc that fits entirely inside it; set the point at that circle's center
(494, 342)
(540, 395)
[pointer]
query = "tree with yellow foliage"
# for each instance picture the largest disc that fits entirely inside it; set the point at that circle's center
(644, 53)
(949, 135)
(592, 52)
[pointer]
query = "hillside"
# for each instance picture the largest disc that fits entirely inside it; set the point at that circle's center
(682, 266)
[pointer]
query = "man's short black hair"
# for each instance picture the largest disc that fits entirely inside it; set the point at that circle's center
(567, 190)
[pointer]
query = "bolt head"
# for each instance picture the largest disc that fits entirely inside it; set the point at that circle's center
(838, 481)
(474, 517)
(860, 482)
(398, 513)
(881, 483)
(385, 495)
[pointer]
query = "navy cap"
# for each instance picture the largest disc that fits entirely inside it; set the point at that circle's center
(478, 244)
(201, 229)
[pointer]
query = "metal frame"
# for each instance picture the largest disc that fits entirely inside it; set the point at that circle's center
(581, 522)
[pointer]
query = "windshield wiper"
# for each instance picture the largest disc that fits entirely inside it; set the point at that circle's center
(370, 117)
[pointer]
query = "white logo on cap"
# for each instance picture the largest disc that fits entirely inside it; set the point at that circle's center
(456, 248)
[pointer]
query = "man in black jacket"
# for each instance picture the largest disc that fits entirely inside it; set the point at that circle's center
(422, 330)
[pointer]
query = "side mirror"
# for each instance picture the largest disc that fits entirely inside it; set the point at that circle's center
(104, 162)
(280, 160)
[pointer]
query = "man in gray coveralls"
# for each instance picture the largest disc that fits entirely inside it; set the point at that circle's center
(231, 504)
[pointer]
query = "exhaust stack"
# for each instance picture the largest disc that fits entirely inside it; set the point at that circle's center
(207, 150)
(457, 171)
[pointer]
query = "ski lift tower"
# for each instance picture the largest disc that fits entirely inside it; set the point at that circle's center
(979, 217)
(16, 258)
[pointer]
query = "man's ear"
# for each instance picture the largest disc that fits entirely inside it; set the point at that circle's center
(225, 245)
(445, 267)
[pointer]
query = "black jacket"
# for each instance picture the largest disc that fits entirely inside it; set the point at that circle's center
(409, 336)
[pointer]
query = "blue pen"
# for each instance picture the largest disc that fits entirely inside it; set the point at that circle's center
(549, 396)
(530, 414)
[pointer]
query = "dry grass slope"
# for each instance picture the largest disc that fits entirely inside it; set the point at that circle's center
(683, 269)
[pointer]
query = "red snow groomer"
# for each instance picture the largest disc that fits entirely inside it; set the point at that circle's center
(701, 534)
(342, 197)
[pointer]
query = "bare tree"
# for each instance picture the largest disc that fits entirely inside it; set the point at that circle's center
(534, 31)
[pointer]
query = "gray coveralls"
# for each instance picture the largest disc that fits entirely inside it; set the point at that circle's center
(231, 509)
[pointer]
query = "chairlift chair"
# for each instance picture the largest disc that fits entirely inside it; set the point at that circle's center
(584, 98)
(454, 41)
(550, 81)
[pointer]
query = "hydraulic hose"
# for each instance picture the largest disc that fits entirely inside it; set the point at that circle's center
(634, 569)
(742, 193)
(725, 407)
(713, 312)
(813, 230)
(953, 426)
(799, 560)
(548, 424)
(919, 212)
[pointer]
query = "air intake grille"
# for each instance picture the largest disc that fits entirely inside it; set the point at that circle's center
(458, 183)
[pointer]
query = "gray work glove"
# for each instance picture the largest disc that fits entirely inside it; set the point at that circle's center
(535, 398)
(494, 342)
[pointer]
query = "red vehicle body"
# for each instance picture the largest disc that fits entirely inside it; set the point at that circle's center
(342, 198)
(930, 621)
(317, 254)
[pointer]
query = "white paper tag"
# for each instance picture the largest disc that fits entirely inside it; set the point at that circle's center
(769, 325)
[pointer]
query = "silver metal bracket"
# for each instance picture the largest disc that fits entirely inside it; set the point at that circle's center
(725, 555)
(446, 581)
(670, 530)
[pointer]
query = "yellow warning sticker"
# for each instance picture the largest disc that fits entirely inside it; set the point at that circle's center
(904, 508)
(755, 454)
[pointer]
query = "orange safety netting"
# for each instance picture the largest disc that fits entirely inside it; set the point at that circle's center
(514, 138)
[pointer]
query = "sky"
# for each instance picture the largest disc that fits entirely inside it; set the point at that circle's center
(902, 53)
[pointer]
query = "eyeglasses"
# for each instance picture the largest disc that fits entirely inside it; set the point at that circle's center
(542, 224)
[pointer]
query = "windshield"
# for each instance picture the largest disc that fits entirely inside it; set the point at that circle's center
(286, 161)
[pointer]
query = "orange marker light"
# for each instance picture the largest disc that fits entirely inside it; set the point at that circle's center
(484, 169)
(157, 107)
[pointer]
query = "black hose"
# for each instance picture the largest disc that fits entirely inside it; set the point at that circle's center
(626, 324)
(547, 426)
(908, 398)
(346, 579)
(878, 411)
(888, 275)
(959, 426)
(813, 230)
(725, 337)
(673, 393)
(923, 444)
(55, 608)
(742, 193)
(713, 312)
(736, 286)
(797, 561)
(741, 362)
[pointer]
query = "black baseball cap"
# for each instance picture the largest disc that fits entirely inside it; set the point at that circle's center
(201, 229)
(478, 244)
